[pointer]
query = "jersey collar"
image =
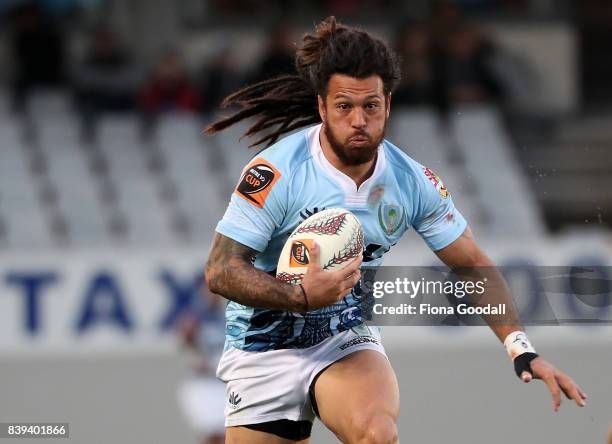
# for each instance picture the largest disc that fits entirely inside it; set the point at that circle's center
(354, 196)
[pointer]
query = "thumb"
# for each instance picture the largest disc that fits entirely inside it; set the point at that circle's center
(526, 376)
(314, 259)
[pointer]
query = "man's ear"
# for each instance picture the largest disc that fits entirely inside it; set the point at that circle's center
(388, 105)
(322, 110)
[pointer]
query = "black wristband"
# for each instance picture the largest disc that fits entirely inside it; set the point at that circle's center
(305, 297)
(523, 363)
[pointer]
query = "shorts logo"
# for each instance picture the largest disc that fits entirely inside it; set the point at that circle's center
(436, 181)
(300, 254)
(257, 181)
(234, 400)
(359, 340)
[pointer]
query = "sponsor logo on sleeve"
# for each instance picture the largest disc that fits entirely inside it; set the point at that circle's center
(256, 182)
(433, 178)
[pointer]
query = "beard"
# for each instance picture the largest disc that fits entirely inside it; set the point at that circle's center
(352, 155)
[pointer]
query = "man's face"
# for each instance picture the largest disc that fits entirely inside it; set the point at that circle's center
(354, 115)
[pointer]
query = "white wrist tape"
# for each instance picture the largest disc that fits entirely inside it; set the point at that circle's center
(517, 343)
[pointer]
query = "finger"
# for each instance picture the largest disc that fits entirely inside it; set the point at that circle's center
(354, 277)
(551, 382)
(315, 253)
(347, 271)
(350, 282)
(567, 384)
(577, 397)
(572, 391)
(355, 264)
(582, 394)
(526, 376)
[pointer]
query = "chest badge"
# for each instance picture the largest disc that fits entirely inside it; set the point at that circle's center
(390, 217)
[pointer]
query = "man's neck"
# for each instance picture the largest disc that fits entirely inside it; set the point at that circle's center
(359, 173)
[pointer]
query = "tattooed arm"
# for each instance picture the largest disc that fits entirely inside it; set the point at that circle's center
(230, 273)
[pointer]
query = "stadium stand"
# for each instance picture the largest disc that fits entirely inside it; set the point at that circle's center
(193, 169)
(128, 158)
(171, 185)
(234, 153)
(43, 103)
(421, 134)
(4, 103)
(130, 184)
(68, 172)
(501, 186)
(22, 216)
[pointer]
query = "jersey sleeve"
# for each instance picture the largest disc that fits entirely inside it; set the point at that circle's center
(436, 219)
(257, 206)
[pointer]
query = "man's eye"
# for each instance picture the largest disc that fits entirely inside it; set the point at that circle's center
(372, 105)
(342, 106)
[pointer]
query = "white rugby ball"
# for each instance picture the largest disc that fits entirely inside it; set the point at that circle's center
(337, 232)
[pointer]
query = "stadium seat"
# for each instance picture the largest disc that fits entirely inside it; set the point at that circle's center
(56, 130)
(5, 103)
(128, 157)
(41, 104)
(501, 185)
(21, 211)
(233, 153)
(192, 166)
(78, 196)
(419, 132)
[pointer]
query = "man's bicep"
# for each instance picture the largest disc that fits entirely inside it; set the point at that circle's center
(225, 248)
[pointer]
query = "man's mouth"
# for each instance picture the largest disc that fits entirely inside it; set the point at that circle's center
(359, 140)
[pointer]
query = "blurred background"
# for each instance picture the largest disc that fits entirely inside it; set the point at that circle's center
(109, 195)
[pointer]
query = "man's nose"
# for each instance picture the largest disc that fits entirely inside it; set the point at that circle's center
(358, 119)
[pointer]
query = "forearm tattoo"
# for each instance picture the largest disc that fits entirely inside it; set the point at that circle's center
(230, 273)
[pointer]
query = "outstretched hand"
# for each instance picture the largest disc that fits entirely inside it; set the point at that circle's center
(556, 381)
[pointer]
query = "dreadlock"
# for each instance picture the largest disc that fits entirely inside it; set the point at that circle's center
(289, 102)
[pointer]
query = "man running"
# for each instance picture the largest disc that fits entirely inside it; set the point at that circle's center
(291, 350)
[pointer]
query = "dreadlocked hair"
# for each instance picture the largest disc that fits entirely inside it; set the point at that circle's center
(286, 103)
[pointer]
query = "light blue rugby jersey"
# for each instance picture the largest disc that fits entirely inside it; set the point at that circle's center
(291, 180)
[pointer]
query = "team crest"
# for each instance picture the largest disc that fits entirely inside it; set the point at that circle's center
(390, 217)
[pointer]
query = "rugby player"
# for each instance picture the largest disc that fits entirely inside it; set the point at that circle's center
(296, 351)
